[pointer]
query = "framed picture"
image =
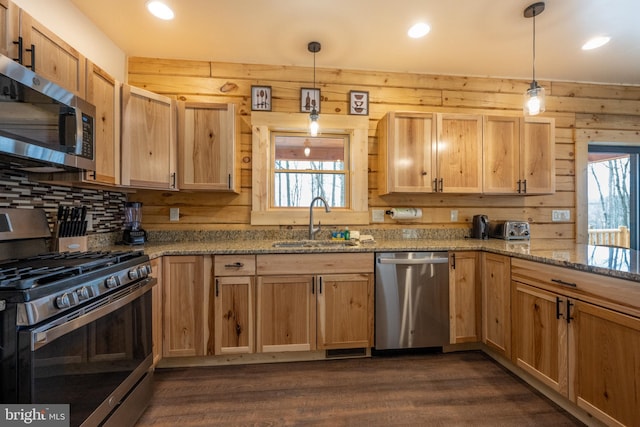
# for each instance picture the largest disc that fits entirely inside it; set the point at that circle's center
(309, 98)
(261, 98)
(359, 102)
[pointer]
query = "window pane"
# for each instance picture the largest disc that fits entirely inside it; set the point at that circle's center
(306, 167)
(298, 189)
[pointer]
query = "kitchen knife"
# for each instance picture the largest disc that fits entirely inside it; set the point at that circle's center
(83, 221)
(64, 225)
(59, 221)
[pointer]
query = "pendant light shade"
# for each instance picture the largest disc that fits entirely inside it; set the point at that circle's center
(534, 97)
(314, 126)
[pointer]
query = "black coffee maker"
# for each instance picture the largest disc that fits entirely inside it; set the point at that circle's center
(480, 229)
(133, 234)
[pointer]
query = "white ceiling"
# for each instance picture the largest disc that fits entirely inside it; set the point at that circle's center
(468, 37)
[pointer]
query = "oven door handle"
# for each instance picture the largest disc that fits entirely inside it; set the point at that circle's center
(47, 334)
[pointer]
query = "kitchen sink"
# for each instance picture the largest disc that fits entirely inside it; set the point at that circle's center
(314, 244)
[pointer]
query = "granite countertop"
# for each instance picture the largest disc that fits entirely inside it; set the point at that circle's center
(615, 262)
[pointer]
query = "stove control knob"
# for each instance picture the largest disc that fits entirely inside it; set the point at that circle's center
(111, 282)
(133, 274)
(83, 293)
(142, 271)
(63, 301)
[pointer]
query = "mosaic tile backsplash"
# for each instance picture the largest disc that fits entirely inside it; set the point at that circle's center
(106, 207)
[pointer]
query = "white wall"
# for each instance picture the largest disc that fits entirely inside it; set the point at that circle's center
(65, 19)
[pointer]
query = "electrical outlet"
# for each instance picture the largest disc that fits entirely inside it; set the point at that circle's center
(174, 214)
(377, 215)
(454, 216)
(561, 215)
(409, 233)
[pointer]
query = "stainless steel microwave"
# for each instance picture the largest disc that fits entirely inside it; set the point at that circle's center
(43, 127)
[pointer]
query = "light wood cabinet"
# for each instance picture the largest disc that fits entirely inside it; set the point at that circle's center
(565, 336)
(207, 147)
(301, 309)
(345, 311)
(519, 155)
(148, 152)
(50, 56)
(234, 304)
(428, 152)
(9, 28)
(103, 91)
(156, 310)
(464, 297)
(286, 313)
(496, 302)
(186, 305)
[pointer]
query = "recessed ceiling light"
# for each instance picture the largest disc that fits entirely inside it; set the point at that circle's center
(596, 42)
(160, 10)
(419, 30)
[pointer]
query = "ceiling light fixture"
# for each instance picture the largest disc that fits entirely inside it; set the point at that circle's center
(419, 30)
(314, 47)
(160, 10)
(596, 42)
(534, 102)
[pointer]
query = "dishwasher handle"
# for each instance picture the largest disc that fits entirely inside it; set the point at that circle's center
(413, 261)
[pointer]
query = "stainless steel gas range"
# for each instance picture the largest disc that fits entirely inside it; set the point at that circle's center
(75, 328)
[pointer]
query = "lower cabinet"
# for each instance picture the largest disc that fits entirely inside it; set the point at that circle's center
(464, 294)
(234, 301)
(586, 352)
(496, 302)
(156, 310)
(186, 302)
(301, 309)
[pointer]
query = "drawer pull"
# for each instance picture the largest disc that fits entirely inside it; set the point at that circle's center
(234, 265)
(562, 282)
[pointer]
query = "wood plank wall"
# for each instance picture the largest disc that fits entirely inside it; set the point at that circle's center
(606, 111)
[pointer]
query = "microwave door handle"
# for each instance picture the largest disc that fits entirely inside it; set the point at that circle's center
(413, 261)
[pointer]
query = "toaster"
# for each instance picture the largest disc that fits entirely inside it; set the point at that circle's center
(509, 230)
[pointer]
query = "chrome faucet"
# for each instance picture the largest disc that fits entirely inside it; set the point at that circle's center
(313, 230)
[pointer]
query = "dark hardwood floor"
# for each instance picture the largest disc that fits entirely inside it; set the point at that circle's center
(417, 390)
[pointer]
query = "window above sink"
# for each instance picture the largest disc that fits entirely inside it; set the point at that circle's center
(342, 149)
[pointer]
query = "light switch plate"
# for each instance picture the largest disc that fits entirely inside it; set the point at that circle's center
(174, 214)
(560, 215)
(454, 216)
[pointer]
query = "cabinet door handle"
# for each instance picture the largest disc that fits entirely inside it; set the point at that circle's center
(569, 316)
(234, 265)
(313, 285)
(217, 286)
(424, 173)
(519, 186)
(229, 182)
(320, 285)
(173, 180)
(441, 185)
(453, 261)
(558, 303)
(435, 185)
(19, 43)
(33, 58)
(562, 282)
(525, 186)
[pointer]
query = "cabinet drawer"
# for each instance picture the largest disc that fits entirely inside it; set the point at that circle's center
(234, 265)
(333, 263)
(618, 294)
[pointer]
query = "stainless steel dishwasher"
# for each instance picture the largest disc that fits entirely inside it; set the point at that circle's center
(412, 300)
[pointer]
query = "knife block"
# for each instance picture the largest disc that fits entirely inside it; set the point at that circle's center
(71, 244)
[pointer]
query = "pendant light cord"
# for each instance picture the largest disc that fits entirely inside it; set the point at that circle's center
(534, 46)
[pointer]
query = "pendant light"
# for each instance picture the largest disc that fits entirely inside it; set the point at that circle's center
(314, 47)
(534, 97)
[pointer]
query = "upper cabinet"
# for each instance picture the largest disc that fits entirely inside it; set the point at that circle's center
(519, 155)
(207, 147)
(9, 22)
(425, 152)
(148, 152)
(103, 91)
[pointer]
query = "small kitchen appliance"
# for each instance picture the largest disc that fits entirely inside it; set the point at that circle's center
(510, 230)
(480, 228)
(133, 233)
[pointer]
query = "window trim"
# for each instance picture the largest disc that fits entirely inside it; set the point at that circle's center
(263, 124)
